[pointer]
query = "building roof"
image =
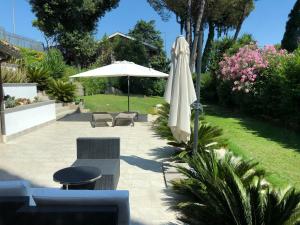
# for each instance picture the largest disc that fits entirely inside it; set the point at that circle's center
(131, 38)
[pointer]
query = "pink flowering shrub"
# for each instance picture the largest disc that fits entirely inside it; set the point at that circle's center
(246, 66)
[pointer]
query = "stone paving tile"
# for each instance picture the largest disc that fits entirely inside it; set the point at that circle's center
(37, 155)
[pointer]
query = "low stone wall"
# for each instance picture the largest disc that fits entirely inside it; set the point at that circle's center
(23, 118)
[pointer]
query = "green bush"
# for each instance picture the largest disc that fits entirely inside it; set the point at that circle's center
(30, 56)
(61, 91)
(208, 87)
(275, 94)
(94, 85)
(54, 63)
(39, 74)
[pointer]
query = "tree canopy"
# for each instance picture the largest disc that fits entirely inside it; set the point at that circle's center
(291, 36)
(145, 32)
(57, 16)
(70, 25)
(219, 15)
(136, 51)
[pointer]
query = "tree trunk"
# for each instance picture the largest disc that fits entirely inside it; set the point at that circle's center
(196, 36)
(240, 23)
(199, 51)
(208, 46)
(188, 23)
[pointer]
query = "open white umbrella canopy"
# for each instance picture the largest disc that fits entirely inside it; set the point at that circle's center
(122, 69)
(180, 91)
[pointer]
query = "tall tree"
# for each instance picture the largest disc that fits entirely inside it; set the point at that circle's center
(244, 9)
(138, 51)
(291, 38)
(70, 24)
(146, 32)
(220, 15)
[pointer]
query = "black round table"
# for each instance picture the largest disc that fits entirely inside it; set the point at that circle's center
(79, 177)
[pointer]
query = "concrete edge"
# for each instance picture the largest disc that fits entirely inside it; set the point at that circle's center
(7, 138)
(29, 106)
(19, 84)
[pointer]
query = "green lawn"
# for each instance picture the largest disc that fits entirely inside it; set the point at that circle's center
(114, 103)
(276, 149)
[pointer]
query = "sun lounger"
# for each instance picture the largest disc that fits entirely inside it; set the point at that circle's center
(101, 117)
(125, 117)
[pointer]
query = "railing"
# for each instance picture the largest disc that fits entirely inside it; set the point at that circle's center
(20, 41)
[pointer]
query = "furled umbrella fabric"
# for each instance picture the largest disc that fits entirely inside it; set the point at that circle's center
(180, 91)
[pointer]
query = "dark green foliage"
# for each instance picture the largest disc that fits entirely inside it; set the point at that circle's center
(136, 51)
(208, 87)
(57, 16)
(276, 95)
(78, 48)
(94, 85)
(39, 74)
(61, 91)
(146, 32)
(10, 102)
(54, 63)
(291, 36)
(71, 24)
(224, 190)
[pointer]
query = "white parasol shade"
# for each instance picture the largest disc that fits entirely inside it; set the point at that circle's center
(180, 91)
(122, 69)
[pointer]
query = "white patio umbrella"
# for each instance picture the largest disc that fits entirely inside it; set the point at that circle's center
(122, 69)
(180, 91)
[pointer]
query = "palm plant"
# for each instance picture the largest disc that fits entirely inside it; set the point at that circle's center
(39, 74)
(9, 76)
(230, 191)
(209, 136)
(61, 90)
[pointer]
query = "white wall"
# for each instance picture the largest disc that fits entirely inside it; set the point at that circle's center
(22, 90)
(17, 121)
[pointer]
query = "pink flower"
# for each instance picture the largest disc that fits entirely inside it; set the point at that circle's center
(244, 68)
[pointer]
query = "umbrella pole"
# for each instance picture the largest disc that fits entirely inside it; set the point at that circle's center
(128, 91)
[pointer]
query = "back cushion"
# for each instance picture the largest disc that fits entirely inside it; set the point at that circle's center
(58, 197)
(14, 188)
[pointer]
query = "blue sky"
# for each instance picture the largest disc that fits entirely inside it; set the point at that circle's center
(266, 23)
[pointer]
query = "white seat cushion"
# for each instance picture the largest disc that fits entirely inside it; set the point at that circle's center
(51, 196)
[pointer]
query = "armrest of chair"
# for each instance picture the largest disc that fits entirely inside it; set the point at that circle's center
(98, 148)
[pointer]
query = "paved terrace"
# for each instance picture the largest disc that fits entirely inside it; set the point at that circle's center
(37, 155)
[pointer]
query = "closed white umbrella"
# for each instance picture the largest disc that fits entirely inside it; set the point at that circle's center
(122, 69)
(180, 91)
